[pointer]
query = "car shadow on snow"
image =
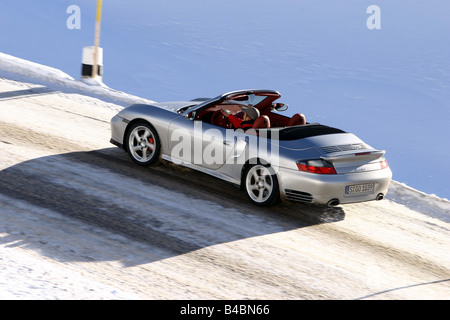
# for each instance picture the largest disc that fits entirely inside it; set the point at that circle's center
(161, 211)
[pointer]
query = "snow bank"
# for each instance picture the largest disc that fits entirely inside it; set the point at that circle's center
(428, 204)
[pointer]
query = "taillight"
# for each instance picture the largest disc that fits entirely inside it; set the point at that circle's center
(318, 166)
(383, 163)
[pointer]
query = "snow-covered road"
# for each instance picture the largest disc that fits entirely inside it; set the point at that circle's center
(79, 221)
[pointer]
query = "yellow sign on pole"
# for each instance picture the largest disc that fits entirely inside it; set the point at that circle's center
(99, 10)
(97, 38)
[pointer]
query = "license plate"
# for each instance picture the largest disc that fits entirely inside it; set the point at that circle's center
(360, 188)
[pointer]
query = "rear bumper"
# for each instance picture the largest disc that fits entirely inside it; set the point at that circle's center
(331, 188)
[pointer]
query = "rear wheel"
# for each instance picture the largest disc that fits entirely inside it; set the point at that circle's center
(143, 144)
(261, 185)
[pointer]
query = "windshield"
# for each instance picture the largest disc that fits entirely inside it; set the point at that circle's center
(255, 98)
(247, 100)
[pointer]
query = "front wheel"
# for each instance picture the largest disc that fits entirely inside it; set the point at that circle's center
(261, 185)
(143, 144)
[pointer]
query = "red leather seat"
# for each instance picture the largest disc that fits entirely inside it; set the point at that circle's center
(297, 119)
(261, 122)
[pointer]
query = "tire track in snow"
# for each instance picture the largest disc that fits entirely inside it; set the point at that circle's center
(39, 189)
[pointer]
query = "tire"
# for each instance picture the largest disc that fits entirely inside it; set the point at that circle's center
(261, 185)
(142, 143)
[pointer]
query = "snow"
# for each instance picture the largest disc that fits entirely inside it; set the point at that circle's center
(391, 87)
(20, 69)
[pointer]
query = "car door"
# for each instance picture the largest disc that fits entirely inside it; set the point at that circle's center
(199, 143)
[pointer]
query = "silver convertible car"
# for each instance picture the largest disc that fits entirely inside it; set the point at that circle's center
(280, 157)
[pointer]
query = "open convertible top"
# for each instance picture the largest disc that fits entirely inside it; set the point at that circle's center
(299, 132)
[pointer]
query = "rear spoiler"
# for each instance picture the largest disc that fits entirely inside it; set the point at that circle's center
(356, 157)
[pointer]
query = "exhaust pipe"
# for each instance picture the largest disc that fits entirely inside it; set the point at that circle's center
(333, 202)
(379, 197)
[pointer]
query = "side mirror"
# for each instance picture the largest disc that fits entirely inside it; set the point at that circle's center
(280, 106)
(191, 115)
